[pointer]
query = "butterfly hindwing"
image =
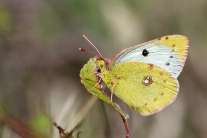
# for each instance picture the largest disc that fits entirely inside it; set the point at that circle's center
(144, 87)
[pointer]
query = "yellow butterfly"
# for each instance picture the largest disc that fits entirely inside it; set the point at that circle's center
(145, 76)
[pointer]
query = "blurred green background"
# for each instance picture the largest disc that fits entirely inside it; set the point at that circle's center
(40, 64)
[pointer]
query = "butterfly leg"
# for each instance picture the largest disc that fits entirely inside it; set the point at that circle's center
(100, 86)
(112, 96)
(113, 83)
(112, 93)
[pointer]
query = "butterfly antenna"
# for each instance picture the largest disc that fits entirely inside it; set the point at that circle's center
(92, 45)
(81, 49)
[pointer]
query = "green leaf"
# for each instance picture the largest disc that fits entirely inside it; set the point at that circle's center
(90, 80)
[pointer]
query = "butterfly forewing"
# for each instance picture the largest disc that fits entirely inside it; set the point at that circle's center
(168, 52)
(144, 87)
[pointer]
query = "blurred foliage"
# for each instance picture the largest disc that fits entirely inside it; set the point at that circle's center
(5, 21)
(40, 65)
(41, 123)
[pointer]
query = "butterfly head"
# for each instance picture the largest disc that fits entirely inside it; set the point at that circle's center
(101, 61)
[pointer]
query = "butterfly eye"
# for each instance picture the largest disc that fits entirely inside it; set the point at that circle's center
(99, 70)
(145, 52)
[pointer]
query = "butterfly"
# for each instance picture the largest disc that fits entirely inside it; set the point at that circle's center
(144, 76)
